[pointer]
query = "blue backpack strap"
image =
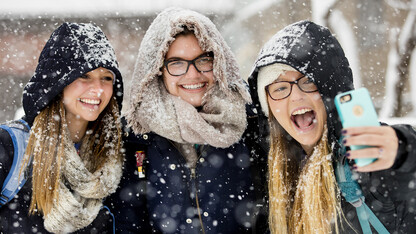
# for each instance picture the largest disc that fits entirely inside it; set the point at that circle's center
(351, 191)
(112, 217)
(19, 133)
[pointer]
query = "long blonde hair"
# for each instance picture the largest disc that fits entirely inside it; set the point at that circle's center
(47, 144)
(302, 199)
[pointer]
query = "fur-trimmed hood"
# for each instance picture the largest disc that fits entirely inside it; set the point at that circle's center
(155, 45)
(313, 51)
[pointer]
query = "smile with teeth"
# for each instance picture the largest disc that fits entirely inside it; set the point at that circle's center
(90, 101)
(301, 111)
(303, 118)
(193, 86)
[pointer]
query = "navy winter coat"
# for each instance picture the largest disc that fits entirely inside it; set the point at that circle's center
(221, 186)
(14, 216)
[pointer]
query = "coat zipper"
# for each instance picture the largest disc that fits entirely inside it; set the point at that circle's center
(193, 177)
(193, 181)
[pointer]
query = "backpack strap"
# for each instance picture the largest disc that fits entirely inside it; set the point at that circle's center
(19, 133)
(351, 191)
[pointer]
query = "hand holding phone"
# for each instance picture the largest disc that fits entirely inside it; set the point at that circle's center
(356, 109)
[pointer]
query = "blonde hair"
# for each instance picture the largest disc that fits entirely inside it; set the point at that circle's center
(47, 145)
(301, 199)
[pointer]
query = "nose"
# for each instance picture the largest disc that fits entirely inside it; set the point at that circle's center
(192, 72)
(296, 94)
(96, 87)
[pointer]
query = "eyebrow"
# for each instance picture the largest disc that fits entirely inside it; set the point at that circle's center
(209, 54)
(109, 72)
(105, 73)
(301, 75)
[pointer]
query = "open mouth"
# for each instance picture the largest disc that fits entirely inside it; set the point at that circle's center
(194, 86)
(303, 118)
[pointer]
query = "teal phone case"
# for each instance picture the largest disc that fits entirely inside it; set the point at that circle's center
(355, 112)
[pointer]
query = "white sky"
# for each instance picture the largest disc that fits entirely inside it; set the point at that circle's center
(83, 7)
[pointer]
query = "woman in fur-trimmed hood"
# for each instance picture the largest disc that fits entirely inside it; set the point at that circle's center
(188, 110)
(295, 79)
(73, 155)
(153, 109)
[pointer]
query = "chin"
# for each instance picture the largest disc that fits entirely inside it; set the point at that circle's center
(91, 118)
(193, 103)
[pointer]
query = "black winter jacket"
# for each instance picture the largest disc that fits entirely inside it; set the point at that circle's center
(167, 195)
(14, 216)
(315, 52)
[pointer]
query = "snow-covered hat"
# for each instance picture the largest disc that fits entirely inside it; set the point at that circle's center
(266, 76)
(312, 50)
(72, 50)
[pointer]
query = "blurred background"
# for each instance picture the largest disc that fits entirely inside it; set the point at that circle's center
(378, 36)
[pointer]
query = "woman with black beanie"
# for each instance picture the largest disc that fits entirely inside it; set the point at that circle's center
(72, 106)
(295, 79)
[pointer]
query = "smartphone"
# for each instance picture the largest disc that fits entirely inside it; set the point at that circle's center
(355, 108)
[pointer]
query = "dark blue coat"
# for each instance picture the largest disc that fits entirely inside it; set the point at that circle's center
(228, 185)
(14, 216)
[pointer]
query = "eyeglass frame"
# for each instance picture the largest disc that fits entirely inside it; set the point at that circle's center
(291, 87)
(207, 54)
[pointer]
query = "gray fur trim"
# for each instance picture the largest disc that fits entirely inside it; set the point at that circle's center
(154, 47)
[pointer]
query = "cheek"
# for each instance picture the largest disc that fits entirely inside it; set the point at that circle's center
(108, 90)
(69, 93)
(278, 110)
(322, 110)
(210, 77)
(169, 84)
(316, 97)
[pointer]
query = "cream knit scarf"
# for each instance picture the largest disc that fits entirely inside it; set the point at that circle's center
(80, 191)
(220, 123)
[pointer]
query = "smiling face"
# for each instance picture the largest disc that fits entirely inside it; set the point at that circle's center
(191, 86)
(301, 114)
(86, 97)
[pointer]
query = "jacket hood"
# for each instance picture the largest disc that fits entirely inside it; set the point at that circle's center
(155, 45)
(313, 51)
(72, 50)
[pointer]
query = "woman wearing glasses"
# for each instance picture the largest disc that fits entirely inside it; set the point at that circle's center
(294, 81)
(188, 114)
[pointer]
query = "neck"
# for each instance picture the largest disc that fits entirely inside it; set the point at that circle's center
(77, 129)
(308, 149)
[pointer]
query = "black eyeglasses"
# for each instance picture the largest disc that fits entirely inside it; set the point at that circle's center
(179, 67)
(282, 89)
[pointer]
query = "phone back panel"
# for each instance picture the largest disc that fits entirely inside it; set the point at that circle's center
(359, 111)
(356, 112)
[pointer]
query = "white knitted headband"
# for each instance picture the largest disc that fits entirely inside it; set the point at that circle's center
(266, 76)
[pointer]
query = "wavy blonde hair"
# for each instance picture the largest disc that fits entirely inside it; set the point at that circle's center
(47, 146)
(302, 199)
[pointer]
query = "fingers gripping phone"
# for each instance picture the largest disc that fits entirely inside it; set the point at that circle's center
(355, 108)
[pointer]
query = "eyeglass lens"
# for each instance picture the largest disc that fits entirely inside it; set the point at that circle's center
(180, 66)
(282, 89)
